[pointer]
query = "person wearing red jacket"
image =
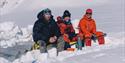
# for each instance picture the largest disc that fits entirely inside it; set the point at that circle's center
(66, 28)
(61, 24)
(87, 29)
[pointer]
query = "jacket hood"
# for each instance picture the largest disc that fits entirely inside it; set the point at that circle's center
(66, 14)
(41, 18)
(41, 15)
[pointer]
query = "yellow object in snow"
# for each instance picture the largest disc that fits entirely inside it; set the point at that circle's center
(72, 43)
(35, 46)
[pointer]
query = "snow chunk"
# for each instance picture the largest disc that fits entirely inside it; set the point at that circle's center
(2, 60)
(33, 57)
(11, 34)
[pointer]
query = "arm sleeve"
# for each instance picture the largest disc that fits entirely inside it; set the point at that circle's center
(72, 29)
(94, 27)
(56, 30)
(37, 34)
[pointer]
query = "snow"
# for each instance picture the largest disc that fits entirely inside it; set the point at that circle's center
(87, 55)
(92, 52)
(14, 39)
(3, 60)
(13, 35)
(75, 25)
(33, 56)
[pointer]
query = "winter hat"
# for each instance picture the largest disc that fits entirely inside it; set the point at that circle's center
(47, 10)
(41, 14)
(59, 18)
(89, 11)
(66, 14)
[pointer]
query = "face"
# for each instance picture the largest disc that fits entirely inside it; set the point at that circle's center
(47, 16)
(67, 18)
(89, 15)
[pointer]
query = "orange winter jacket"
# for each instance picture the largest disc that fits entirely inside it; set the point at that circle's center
(87, 27)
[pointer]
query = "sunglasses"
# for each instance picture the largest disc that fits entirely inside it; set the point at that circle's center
(89, 13)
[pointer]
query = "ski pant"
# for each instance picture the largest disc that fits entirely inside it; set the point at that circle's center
(44, 47)
(99, 36)
(88, 38)
(66, 46)
(69, 38)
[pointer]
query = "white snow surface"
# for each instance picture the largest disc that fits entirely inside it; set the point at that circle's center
(11, 35)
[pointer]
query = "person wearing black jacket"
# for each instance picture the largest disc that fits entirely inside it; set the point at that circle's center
(46, 32)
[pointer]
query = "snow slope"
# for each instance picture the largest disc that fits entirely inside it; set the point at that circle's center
(12, 36)
(14, 39)
(95, 54)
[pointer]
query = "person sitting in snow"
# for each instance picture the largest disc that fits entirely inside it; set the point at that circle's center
(66, 28)
(61, 24)
(87, 29)
(46, 32)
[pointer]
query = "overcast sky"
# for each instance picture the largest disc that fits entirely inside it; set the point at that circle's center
(25, 12)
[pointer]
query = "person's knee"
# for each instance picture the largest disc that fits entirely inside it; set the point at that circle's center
(42, 43)
(60, 39)
(50, 46)
(88, 35)
(42, 46)
(99, 33)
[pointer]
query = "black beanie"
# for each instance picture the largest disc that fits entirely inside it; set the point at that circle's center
(66, 14)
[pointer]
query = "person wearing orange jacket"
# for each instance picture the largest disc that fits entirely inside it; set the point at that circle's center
(87, 29)
(66, 28)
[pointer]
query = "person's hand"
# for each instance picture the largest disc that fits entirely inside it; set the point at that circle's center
(55, 38)
(66, 38)
(52, 39)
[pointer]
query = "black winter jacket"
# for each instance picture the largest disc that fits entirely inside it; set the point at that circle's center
(43, 30)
